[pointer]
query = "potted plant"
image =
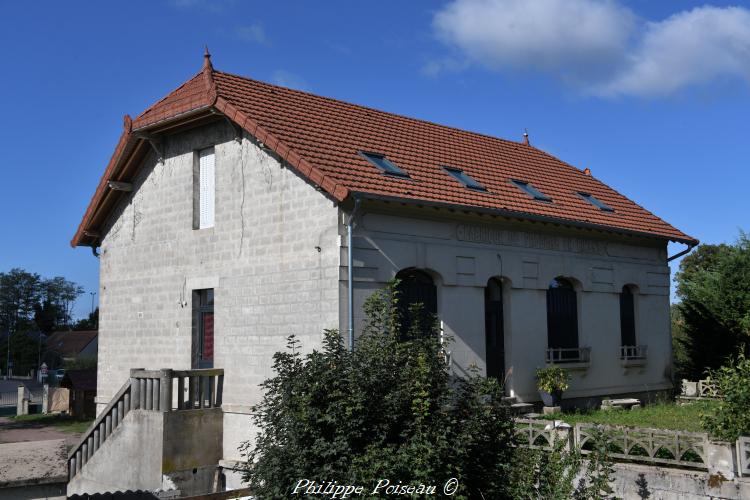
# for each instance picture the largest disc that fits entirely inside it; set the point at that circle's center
(551, 383)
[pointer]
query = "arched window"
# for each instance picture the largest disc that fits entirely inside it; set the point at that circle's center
(562, 317)
(627, 317)
(493, 329)
(416, 287)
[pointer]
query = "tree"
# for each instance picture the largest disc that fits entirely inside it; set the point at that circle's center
(24, 351)
(19, 294)
(57, 298)
(714, 288)
(90, 323)
(28, 301)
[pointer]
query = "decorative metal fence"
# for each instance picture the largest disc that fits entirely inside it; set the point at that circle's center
(657, 446)
(11, 398)
(8, 398)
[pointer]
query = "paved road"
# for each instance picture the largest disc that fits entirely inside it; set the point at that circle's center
(12, 385)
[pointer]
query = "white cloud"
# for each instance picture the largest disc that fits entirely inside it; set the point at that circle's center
(598, 46)
(290, 80)
(252, 33)
(550, 35)
(688, 48)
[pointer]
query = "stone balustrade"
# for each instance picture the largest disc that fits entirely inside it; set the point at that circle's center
(149, 390)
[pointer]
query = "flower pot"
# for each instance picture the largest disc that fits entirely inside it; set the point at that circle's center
(552, 399)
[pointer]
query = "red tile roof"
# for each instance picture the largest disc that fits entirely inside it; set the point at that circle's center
(321, 137)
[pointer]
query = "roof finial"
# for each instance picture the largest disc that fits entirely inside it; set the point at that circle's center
(207, 60)
(526, 136)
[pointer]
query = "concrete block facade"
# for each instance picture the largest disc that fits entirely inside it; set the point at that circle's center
(272, 259)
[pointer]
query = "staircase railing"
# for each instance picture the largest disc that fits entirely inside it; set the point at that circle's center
(151, 390)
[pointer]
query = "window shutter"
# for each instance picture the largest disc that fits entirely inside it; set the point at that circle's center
(207, 188)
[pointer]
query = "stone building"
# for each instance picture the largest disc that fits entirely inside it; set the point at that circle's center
(234, 213)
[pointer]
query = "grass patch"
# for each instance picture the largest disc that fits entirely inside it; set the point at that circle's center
(65, 423)
(658, 416)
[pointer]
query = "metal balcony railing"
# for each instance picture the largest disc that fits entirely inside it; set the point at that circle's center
(633, 352)
(562, 355)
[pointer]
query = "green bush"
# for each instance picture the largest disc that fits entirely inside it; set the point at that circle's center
(731, 418)
(387, 410)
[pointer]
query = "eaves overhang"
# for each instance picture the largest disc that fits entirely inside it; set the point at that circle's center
(521, 216)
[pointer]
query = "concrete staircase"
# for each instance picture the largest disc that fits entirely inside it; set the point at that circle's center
(164, 431)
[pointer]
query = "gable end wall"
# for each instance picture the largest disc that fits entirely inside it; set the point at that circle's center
(272, 258)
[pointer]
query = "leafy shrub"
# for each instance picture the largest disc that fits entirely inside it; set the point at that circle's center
(552, 379)
(731, 418)
(387, 409)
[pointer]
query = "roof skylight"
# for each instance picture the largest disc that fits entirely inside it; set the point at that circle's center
(597, 203)
(383, 164)
(465, 178)
(530, 190)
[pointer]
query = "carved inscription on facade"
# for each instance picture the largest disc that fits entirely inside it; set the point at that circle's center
(492, 236)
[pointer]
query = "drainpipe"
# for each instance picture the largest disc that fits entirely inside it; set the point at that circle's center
(690, 247)
(350, 273)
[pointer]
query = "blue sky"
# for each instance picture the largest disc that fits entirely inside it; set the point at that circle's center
(653, 97)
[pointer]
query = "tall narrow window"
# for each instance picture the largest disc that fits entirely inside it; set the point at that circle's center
(206, 189)
(562, 318)
(203, 328)
(627, 317)
(493, 329)
(416, 288)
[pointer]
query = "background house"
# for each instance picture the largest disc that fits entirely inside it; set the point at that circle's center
(71, 346)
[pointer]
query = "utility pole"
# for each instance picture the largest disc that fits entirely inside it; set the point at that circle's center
(7, 365)
(39, 357)
(93, 294)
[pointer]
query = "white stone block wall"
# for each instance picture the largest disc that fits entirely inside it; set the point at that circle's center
(272, 258)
